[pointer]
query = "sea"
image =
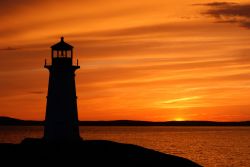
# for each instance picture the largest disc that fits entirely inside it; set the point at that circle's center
(208, 146)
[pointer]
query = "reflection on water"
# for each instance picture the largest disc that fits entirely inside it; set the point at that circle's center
(208, 146)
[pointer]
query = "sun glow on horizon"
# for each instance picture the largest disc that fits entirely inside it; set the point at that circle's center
(179, 119)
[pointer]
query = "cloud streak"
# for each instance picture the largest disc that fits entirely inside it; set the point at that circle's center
(215, 4)
(225, 12)
(8, 49)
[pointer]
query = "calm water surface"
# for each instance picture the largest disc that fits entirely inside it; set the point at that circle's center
(208, 146)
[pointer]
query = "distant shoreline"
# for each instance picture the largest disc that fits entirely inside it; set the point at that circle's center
(7, 121)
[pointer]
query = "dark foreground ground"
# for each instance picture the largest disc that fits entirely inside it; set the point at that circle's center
(35, 152)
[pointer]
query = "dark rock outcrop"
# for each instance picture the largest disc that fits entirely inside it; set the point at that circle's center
(36, 152)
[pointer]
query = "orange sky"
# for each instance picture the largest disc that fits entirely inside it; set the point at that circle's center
(151, 60)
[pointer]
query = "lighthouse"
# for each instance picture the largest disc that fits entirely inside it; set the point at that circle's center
(61, 120)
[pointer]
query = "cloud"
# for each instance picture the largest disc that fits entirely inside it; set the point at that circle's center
(36, 92)
(215, 4)
(227, 12)
(177, 74)
(171, 101)
(7, 7)
(8, 49)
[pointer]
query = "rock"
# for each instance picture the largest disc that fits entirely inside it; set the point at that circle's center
(36, 152)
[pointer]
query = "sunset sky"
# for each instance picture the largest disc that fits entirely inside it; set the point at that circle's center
(154, 60)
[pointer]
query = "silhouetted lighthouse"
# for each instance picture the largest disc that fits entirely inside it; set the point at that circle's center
(61, 121)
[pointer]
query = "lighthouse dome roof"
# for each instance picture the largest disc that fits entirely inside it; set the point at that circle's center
(62, 45)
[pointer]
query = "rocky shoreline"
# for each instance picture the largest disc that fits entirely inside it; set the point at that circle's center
(37, 152)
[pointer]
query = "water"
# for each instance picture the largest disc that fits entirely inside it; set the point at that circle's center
(208, 146)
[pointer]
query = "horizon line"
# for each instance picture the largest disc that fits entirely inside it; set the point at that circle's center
(133, 120)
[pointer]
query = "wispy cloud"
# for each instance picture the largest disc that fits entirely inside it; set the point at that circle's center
(229, 12)
(36, 92)
(180, 99)
(215, 4)
(8, 49)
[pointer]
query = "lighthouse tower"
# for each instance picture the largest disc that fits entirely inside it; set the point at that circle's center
(61, 120)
